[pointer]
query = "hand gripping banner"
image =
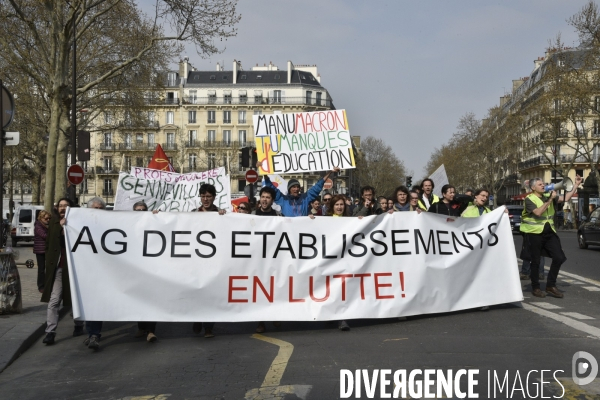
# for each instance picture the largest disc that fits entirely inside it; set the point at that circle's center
(139, 266)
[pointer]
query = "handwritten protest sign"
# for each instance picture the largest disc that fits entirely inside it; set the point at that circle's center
(303, 142)
(170, 191)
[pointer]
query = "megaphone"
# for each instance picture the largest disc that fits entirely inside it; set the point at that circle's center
(566, 184)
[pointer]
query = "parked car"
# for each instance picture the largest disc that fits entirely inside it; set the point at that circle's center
(589, 230)
(514, 214)
(22, 223)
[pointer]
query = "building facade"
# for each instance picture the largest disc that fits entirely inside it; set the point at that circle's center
(202, 120)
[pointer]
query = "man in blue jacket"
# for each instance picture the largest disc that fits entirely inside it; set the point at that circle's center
(295, 204)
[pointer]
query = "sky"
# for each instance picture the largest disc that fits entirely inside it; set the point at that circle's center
(405, 71)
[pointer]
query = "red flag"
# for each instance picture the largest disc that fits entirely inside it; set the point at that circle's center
(160, 160)
(236, 202)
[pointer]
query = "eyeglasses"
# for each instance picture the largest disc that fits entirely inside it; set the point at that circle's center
(242, 208)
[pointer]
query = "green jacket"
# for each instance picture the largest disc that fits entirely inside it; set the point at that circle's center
(473, 211)
(52, 260)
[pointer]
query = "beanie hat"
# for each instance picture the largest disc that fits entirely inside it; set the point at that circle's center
(293, 182)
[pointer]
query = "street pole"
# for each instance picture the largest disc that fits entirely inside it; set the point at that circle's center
(72, 188)
(2, 153)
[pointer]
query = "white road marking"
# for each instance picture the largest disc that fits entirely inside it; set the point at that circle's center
(573, 323)
(547, 306)
(592, 288)
(573, 281)
(576, 315)
(579, 277)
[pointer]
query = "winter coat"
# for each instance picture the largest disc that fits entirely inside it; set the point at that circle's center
(40, 231)
(52, 259)
(295, 206)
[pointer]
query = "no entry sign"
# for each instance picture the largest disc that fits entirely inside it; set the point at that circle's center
(251, 176)
(75, 174)
(328, 184)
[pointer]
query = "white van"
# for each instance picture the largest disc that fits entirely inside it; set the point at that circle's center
(23, 222)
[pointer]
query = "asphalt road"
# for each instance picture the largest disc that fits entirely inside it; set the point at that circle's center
(303, 360)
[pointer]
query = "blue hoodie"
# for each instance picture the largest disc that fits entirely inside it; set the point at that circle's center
(295, 206)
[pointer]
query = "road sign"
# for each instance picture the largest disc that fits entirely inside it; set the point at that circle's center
(11, 138)
(8, 108)
(251, 176)
(328, 184)
(75, 174)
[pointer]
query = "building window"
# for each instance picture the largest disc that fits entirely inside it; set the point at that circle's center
(596, 128)
(127, 166)
(192, 137)
(171, 79)
(227, 98)
(128, 140)
(227, 137)
(241, 185)
(170, 117)
(257, 112)
(139, 138)
(212, 161)
(170, 140)
(191, 117)
(212, 98)
(318, 100)
(557, 105)
(243, 98)
(308, 97)
(108, 187)
(579, 128)
(108, 164)
(150, 140)
(212, 136)
(226, 117)
(139, 161)
(241, 116)
(277, 96)
(193, 97)
(211, 117)
(242, 137)
(171, 99)
(107, 118)
(107, 140)
(192, 161)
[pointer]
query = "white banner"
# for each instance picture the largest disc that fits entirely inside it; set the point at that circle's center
(439, 179)
(170, 191)
(139, 266)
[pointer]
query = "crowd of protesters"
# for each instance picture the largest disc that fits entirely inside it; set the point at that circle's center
(53, 279)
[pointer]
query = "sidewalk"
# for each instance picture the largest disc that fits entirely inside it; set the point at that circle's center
(19, 331)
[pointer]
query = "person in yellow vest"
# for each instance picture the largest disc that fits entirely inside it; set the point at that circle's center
(537, 222)
(427, 198)
(478, 207)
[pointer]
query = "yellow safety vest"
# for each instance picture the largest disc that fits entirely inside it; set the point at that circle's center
(422, 205)
(531, 223)
(473, 211)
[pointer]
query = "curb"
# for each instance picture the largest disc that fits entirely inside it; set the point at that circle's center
(29, 338)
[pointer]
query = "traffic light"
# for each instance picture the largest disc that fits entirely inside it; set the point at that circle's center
(408, 181)
(254, 157)
(245, 157)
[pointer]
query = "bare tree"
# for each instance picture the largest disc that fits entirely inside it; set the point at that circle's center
(116, 44)
(379, 167)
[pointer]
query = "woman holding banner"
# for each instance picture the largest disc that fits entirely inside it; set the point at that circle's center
(337, 208)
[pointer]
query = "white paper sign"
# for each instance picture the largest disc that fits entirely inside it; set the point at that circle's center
(170, 191)
(133, 266)
(439, 179)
